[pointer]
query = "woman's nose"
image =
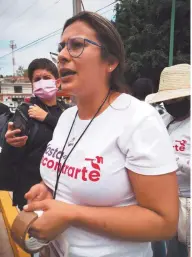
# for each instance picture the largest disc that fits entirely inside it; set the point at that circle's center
(62, 59)
(64, 56)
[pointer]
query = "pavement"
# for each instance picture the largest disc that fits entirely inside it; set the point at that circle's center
(5, 247)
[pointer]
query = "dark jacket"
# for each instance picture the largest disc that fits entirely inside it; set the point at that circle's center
(25, 161)
(4, 109)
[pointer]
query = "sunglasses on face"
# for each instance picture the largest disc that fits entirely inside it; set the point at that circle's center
(75, 47)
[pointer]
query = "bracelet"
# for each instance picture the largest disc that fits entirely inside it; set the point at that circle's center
(20, 228)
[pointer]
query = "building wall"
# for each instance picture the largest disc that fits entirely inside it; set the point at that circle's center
(8, 88)
(12, 99)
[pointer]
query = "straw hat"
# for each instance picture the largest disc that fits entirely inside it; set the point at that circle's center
(174, 83)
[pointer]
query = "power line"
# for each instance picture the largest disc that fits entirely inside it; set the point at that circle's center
(5, 10)
(54, 33)
(82, 5)
(48, 35)
(37, 40)
(26, 10)
(106, 11)
(48, 8)
(35, 43)
(106, 6)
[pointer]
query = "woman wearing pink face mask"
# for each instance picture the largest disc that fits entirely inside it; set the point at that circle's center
(22, 152)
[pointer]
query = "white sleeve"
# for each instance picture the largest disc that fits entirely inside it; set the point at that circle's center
(149, 149)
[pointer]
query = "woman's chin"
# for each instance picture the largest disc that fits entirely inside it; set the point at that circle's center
(67, 88)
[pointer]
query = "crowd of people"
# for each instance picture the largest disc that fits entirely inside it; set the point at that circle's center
(111, 174)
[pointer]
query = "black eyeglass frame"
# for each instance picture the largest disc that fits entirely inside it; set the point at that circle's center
(63, 44)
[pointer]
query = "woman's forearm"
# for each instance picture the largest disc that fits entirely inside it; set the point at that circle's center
(132, 223)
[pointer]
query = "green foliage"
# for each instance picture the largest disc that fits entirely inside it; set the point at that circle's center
(20, 71)
(25, 73)
(144, 26)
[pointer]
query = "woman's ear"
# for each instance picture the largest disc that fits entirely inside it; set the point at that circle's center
(113, 63)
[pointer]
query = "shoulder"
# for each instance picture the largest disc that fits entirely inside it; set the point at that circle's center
(136, 117)
(128, 103)
(188, 122)
(68, 114)
(137, 105)
(145, 141)
(138, 111)
(70, 111)
(182, 125)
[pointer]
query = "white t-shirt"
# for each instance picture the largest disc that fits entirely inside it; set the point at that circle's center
(131, 135)
(179, 132)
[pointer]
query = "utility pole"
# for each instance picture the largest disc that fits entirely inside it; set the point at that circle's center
(13, 46)
(76, 7)
(171, 46)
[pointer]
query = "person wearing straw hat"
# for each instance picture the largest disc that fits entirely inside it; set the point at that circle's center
(174, 92)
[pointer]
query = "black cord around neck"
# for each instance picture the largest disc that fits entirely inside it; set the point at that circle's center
(59, 171)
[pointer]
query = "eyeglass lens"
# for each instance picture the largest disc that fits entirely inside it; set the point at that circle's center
(75, 46)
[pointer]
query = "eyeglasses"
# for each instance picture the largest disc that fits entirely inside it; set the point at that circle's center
(54, 57)
(75, 47)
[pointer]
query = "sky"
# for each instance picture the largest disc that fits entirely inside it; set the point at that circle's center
(25, 21)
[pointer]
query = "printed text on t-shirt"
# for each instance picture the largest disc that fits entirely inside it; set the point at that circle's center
(180, 145)
(74, 172)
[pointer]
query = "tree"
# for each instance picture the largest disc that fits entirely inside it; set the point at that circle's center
(20, 71)
(25, 73)
(144, 26)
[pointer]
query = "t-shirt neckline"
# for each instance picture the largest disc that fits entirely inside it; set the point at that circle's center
(109, 108)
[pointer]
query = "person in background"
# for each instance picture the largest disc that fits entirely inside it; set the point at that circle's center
(143, 87)
(4, 109)
(5, 115)
(110, 166)
(43, 113)
(174, 92)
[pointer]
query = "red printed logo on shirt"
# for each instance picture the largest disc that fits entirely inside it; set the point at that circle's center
(84, 174)
(180, 145)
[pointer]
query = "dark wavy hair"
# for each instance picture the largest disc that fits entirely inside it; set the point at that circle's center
(109, 37)
(42, 64)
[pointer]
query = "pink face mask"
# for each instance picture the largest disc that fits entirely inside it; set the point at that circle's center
(45, 89)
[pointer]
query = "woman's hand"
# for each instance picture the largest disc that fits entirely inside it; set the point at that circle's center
(57, 217)
(38, 192)
(37, 113)
(11, 137)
